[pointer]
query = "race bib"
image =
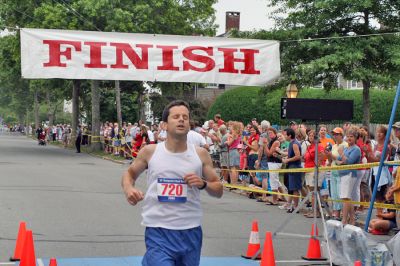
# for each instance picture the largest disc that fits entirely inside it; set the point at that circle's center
(171, 190)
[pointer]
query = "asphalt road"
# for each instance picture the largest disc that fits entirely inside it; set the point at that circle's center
(74, 205)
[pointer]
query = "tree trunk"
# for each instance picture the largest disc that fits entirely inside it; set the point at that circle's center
(76, 87)
(118, 101)
(366, 102)
(142, 106)
(36, 108)
(50, 115)
(27, 123)
(96, 144)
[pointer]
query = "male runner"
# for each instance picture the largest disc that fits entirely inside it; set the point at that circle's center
(176, 172)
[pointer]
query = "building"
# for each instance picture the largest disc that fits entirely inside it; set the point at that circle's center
(209, 92)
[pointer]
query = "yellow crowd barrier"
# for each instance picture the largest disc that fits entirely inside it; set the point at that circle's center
(96, 139)
(321, 168)
(262, 191)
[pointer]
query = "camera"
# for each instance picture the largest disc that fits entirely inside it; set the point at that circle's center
(329, 147)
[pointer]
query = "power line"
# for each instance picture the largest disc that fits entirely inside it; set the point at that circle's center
(342, 37)
(77, 14)
(25, 14)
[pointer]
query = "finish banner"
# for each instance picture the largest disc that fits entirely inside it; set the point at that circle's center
(147, 57)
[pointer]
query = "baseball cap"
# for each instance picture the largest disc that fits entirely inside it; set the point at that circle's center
(292, 123)
(338, 130)
(396, 125)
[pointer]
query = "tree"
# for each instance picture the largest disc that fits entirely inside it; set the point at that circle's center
(319, 41)
(186, 17)
(14, 91)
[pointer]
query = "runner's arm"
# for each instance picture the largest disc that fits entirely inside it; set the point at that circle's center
(133, 194)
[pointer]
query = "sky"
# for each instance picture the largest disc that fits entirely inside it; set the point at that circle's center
(254, 14)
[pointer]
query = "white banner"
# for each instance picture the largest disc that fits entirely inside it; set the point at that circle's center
(147, 57)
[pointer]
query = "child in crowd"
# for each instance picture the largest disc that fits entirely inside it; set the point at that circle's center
(258, 177)
(386, 219)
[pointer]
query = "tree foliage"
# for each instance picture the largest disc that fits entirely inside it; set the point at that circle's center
(321, 39)
(183, 17)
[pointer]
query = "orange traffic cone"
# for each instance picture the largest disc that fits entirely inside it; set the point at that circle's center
(314, 248)
(267, 256)
(53, 262)
(357, 263)
(28, 252)
(20, 242)
(254, 242)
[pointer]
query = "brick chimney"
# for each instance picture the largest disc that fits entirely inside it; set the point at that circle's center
(232, 21)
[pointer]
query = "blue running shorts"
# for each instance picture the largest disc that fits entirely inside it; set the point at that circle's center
(165, 247)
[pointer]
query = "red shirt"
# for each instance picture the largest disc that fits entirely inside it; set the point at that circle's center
(139, 140)
(309, 157)
(251, 139)
(360, 143)
(220, 122)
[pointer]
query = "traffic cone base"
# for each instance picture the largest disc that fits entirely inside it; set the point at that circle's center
(314, 251)
(249, 258)
(254, 245)
(312, 259)
(20, 242)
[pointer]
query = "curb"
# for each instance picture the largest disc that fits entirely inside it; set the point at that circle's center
(107, 159)
(112, 160)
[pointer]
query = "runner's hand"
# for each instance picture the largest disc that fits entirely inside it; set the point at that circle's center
(193, 180)
(133, 195)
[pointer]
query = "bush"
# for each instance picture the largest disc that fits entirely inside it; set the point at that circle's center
(244, 103)
(239, 104)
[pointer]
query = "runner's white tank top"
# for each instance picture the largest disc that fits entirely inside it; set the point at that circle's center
(175, 216)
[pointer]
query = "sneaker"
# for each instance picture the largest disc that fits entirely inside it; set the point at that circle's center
(290, 210)
(284, 207)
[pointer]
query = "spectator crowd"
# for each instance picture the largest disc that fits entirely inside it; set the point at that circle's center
(236, 147)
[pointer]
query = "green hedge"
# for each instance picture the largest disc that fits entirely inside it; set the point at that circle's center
(244, 103)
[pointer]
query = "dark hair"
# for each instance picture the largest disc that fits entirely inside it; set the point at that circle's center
(290, 132)
(256, 129)
(272, 129)
(165, 113)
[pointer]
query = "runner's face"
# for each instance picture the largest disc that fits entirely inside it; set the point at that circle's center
(178, 120)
